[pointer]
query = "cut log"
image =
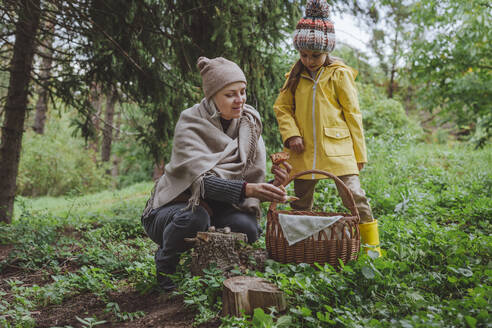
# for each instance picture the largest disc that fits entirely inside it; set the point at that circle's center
(227, 250)
(244, 294)
(216, 247)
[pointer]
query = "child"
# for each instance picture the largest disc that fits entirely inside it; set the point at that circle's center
(319, 118)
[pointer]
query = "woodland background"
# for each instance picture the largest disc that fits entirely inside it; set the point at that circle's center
(90, 92)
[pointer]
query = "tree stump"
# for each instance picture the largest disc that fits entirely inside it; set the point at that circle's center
(228, 250)
(215, 247)
(244, 293)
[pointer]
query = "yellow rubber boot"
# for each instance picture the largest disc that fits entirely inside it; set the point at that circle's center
(369, 235)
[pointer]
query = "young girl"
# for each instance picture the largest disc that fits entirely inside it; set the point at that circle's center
(319, 118)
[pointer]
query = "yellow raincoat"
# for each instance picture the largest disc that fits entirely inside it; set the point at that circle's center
(327, 116)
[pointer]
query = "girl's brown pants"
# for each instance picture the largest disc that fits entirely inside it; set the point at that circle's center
(304, 190)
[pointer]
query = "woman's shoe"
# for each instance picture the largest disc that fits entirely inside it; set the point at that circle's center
(165, 283)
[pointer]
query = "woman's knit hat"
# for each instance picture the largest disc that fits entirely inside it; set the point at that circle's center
(315, 30)
(217, 73)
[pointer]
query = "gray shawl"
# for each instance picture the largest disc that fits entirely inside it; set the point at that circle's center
(201, 147)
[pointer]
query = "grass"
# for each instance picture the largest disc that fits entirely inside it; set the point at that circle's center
(433, 204)
(99, 202)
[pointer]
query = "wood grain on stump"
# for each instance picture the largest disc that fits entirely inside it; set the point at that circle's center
(244, 293)
(216, 247)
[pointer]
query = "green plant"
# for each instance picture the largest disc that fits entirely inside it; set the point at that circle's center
(452, 81)
(17, 314)
(385, 117)
(263, 320)
(242, 321)
(433, 206)
(203, 293)
(142, 274)
(114, 308)
(90, 322)
(57, 164)
(135, 165)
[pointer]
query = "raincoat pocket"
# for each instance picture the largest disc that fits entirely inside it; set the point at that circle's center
(337, 142)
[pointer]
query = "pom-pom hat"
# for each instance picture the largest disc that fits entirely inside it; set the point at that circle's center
(315, 31)
(217, 73)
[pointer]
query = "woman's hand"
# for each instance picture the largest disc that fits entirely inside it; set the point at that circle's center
(360, 166)
(296, 144)
(265, 192)
(281, 172)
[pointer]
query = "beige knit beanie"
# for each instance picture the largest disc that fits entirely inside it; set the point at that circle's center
(217, 73)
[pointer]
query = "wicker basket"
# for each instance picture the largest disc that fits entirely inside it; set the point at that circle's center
(322, 247)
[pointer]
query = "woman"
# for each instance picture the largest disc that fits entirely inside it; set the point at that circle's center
(217, 168)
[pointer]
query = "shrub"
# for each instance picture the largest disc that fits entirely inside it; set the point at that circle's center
(58, 164)
(136, 164)
(385, 117)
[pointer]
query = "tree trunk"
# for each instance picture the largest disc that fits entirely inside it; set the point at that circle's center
(158, 170)
(108, 127)
(95, 100)
(16, 104)
(391, 85)
(394, 62)
(44, 74)
(116, 159)
(245, 293)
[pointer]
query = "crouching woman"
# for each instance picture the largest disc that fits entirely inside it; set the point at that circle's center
(217, 169)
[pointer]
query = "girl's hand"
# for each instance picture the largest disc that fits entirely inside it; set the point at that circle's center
(360, 166)
(281, 173)
(265, 192)
(296, 144)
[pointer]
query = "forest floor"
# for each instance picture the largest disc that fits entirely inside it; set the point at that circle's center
(85, 261)
(158, 309)
(59, 243)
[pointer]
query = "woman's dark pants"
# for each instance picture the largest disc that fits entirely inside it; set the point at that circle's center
(170, 224)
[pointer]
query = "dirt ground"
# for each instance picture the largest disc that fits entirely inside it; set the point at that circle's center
(161, 310)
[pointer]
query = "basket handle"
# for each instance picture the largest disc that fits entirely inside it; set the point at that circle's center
(338, 182)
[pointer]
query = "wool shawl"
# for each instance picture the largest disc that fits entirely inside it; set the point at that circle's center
(201, 148)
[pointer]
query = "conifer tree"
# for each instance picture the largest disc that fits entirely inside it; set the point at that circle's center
(28, 13)
(147, 50)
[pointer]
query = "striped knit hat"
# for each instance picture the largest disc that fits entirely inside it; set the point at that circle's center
(315, 30)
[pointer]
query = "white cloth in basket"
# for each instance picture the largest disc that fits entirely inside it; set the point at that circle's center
(299, 227)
